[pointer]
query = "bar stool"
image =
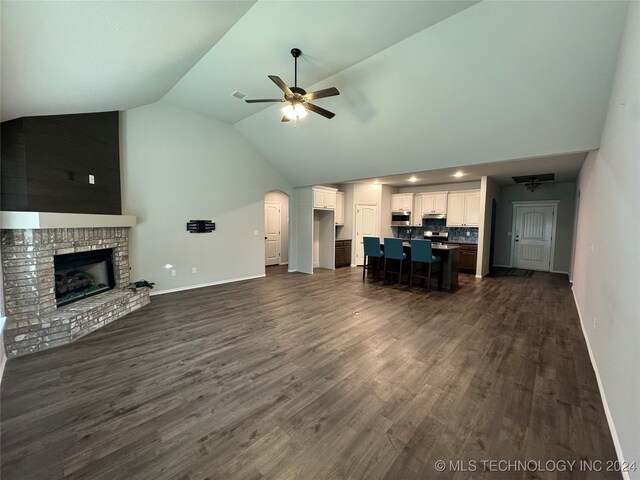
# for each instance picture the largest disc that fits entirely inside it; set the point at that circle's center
(371, 250)
(421, 252)
(393, 251)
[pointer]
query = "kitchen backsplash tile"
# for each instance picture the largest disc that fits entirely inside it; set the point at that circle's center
(456, 234)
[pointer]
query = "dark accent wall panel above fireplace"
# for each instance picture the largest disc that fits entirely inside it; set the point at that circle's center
(47, 161)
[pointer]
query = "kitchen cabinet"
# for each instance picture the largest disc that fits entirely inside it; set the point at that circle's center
(402, 202)
(343, 253)
(340, 208)
(463, 209)
(434, 203)
(416, 215)
(324, 197)
(468, 258)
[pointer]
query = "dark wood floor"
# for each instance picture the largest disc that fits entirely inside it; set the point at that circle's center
(313, 377)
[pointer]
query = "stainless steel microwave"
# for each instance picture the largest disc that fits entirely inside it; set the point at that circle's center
(400, 219)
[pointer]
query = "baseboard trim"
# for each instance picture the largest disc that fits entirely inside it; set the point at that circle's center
(605, 404)
(559, 271)
(502, 266)
(202, 285)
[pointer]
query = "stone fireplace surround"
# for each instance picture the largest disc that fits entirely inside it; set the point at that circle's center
(34, 322)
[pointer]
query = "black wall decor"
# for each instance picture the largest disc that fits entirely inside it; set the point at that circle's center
(200, 226)
(47, 161)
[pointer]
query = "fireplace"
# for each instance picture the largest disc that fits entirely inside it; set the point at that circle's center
(83, 274)
(31, 258)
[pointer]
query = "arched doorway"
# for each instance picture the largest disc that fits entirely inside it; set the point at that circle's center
(276, 228)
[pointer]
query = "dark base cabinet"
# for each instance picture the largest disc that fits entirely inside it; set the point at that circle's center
(343, 253)
(468, 257)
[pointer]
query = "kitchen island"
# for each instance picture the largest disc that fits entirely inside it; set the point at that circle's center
(449, 260)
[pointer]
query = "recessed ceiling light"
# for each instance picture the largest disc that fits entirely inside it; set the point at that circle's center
(459, 174)
(413, 179)
(238, 94)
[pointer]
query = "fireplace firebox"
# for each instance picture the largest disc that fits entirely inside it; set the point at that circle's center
(83, 274)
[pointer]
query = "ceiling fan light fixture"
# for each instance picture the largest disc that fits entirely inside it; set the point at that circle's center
(532, 184)
(294, 111)
(296, 97)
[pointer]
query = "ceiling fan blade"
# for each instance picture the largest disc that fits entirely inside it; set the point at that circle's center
(285, 119)
(265, 100)
(327, 92)
(316, 109)
(283, 86)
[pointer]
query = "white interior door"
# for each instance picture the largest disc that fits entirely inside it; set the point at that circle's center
(367, 225)
(272, 235)
(533, 237)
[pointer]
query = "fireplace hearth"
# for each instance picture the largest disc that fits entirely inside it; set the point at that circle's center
(83, 274)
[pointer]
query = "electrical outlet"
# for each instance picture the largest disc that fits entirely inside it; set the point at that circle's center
(592, 248)
(468, 233)
(255, 233)
(194, 270)
(595, 322)
(173, 272)
(92, 179)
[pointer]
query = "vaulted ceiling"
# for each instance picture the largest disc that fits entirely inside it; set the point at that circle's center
(82, 56)
(424, 84)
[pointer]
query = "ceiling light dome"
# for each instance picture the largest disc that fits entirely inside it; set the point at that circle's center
(294, 112)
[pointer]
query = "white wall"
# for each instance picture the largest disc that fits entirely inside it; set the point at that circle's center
(177, 166)
(563, 191)
(283, 200)
(385, 211)
(301, 227)
(606, 279)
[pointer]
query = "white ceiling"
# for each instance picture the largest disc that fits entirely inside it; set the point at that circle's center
(83, 56)
(565, 168)
(332, 36)
(495, 82)
(424, 85)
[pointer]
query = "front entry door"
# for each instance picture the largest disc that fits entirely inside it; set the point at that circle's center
(271, 233)
(367, 225)
(533, 237)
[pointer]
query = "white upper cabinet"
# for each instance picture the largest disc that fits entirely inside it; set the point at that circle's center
(463, 209)
(472, 208)
(416, 215)
(434, 203)
(324, 197)
(402, 202)
(340, 208)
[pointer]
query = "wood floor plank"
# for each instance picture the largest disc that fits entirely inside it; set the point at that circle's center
(312, 377)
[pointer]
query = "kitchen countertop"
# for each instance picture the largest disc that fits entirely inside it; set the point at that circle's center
(406, 243)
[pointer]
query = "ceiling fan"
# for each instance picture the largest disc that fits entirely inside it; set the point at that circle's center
(297, 97)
